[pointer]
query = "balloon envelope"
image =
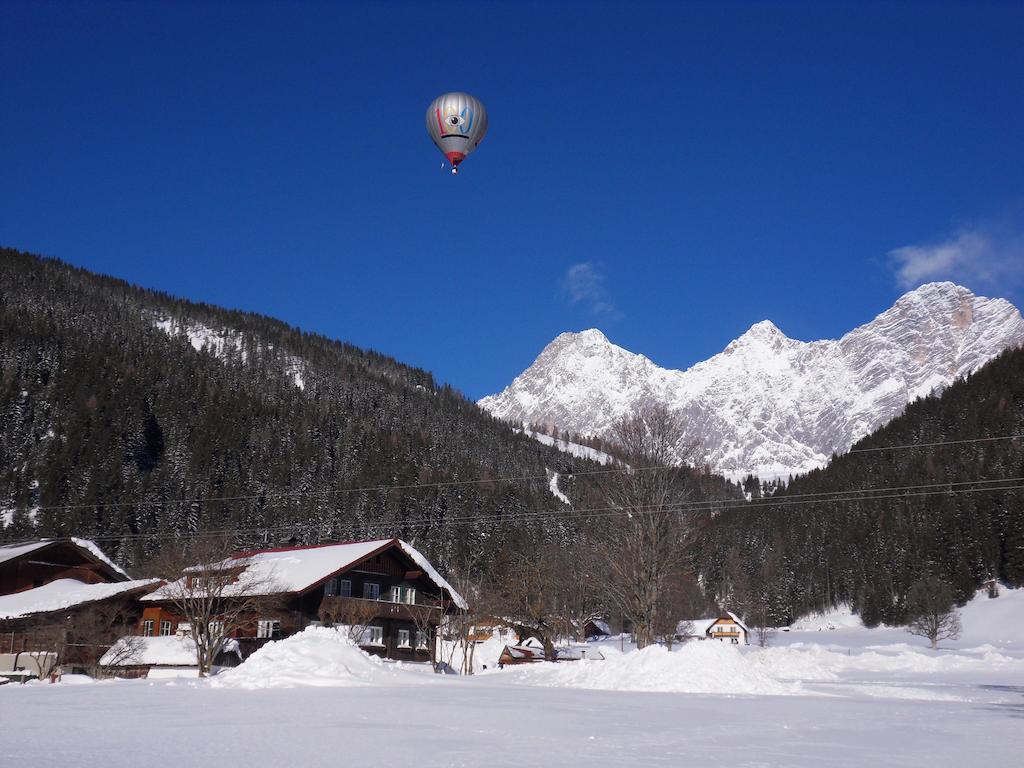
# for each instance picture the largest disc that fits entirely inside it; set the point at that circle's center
(457, 123)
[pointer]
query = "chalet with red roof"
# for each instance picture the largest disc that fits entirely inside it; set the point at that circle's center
(385, 589)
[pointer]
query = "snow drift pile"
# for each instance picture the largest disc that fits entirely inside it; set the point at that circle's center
(695, 668)
(317, 656)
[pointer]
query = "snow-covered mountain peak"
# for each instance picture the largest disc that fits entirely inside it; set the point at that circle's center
(762, 336)
(591, 336)
(769, 404)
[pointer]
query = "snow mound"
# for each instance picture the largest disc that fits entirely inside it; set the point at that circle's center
(812, 662)
(697, 667)
(317, 656)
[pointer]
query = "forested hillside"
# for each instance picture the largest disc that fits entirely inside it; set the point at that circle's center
(887, 514)
(130, 416)
(135, 418)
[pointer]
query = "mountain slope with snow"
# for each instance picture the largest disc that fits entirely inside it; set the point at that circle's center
(769, 404)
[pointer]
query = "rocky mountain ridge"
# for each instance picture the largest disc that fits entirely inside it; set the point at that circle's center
(768, 404)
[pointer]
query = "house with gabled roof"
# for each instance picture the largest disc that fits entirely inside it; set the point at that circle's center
(385, 586)
(57, 598)
(727, 628)
(29, 564)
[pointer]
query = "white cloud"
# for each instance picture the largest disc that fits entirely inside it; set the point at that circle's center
(584, 284)
(989, 255)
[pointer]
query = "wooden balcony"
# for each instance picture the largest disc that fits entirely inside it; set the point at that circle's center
(339, 607)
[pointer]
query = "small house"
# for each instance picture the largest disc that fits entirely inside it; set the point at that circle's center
(29, 564)
(727, 628)
(157, 657)
(531, 652)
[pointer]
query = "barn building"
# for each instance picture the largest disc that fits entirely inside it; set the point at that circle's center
(62, 603)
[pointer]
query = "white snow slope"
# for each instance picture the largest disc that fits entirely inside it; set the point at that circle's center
(850, 698)
(768, 404)
(230, 345)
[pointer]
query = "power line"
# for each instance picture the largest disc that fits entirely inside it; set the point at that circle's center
(868, 494)
(933, 445)
(272, 495)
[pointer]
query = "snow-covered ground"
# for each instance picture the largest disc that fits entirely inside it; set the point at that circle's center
(837, 697)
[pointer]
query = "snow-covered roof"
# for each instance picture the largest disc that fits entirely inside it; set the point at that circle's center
(99, 554)
(701, 626)
(63, 593)
(296, 569)
(736, 618)
(602, 626)
(170, 651)
(536, 653)
(12, 551)
(432, 574)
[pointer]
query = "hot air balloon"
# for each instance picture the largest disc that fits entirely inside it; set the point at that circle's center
(457, 123)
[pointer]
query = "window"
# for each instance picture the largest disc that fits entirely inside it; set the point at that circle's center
(165, 628)
(403, 595)
(403, 638)
(268, 628)
(147, 628)
(338, 587)
(215, 629)
(371, 591)
(376, 635)
(421, 638)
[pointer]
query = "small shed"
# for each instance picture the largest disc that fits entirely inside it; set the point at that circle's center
(171, 656)
(528, 654)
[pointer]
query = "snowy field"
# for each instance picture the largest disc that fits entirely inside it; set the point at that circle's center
(845, 696)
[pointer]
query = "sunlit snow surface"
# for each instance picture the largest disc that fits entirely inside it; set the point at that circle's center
(229, 344)
(818, 697)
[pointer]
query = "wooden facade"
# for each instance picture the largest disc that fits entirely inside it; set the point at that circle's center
(72, 638)
(75, 619)
(386, 591)
(728, 629)
(52, 560)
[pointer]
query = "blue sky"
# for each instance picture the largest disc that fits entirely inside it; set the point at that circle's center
(670, 173)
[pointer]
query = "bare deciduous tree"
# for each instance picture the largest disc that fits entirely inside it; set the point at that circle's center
(423, 618)
(103, 632)
(932, 610)
(643, 545)
(83, 636)
(353, 614)
(763, 631)
(461, 628)
(675, 603)
(576, 584)
(760, 607)
(124, 651)
(525, 595)
(215, 591)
